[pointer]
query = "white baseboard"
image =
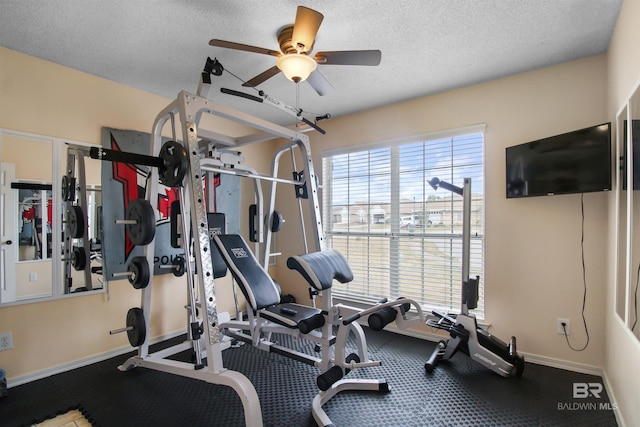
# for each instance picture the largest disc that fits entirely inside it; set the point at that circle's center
(567, 365)
(13, 382)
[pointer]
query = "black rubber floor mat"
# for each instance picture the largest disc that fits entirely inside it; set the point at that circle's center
(457, 393)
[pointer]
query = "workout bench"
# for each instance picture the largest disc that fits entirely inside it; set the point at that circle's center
(266, 315)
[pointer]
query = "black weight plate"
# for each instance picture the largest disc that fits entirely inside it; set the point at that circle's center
(65, 188)
(138, 332)
(276, 221)
(75, 222)
(180, 267)
(79, 258)
(140, 274)
(68, 188)
(175, 164)
(144, 230)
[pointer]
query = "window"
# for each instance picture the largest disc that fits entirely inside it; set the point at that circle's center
(401, 237)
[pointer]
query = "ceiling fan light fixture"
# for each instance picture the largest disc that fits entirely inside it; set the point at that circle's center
(296, 67)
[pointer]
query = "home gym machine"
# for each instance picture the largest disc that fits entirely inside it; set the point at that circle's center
(188, 165)
(466, 336)
(179, 164)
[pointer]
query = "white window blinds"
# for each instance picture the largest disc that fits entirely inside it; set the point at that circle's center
(401, 237)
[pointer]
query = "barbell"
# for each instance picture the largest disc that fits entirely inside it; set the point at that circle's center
(172, 161)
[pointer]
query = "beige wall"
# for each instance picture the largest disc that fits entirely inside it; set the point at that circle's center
(533, 271)
(622, 349)
(44, 98)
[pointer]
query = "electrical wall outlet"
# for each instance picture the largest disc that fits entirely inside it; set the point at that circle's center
(33, 277)
(6, 341)
(567, 326)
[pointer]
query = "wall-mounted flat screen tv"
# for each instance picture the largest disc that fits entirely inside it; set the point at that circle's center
(574, 162)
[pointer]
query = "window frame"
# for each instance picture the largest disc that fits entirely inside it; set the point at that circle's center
(328, 210)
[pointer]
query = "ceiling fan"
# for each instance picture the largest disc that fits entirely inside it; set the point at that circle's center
(296, 42)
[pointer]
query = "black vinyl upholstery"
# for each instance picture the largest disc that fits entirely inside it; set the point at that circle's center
(294, 315)
(255, 283)
(320, 268)
(217, 225)
(261, 292)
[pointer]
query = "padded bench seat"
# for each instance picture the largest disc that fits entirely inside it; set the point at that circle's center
(294, 316)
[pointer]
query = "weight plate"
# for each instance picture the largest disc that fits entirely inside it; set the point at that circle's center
(65, 191)
(174, 157)
(138, 332)
(79, 258)
(179, 268)
(68, 188)
(75, 222)
(276, 221)
(144, 230)
(140, 274)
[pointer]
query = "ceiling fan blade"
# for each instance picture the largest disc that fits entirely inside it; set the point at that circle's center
(305, 28)
(320, 83)
(244, 47)
(260, 78)
(349, 57)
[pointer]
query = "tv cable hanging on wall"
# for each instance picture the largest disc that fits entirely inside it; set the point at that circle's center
(584, 282)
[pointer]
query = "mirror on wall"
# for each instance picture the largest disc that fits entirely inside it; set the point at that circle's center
(34, 222)
(633, 130)
(628, 213)
(622, 195)
(38, 259)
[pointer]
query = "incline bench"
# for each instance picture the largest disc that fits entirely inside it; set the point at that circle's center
(267, 315)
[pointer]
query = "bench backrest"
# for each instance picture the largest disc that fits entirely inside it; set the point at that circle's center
(256, 285)
(217, 225)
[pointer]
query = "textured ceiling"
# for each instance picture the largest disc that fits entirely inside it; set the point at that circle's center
(428, 46)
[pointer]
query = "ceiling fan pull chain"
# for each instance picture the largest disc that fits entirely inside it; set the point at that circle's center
(298, 103)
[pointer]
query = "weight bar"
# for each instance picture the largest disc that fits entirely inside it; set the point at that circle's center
(137, 273)
(135, 329)
(140, 222)
(172, 162)
(120, 330)
(75, 222)
(78, 258)
(178, 267)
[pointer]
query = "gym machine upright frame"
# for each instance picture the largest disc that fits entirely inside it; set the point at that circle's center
(463, 329)
(189, 108)
(76, 155)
